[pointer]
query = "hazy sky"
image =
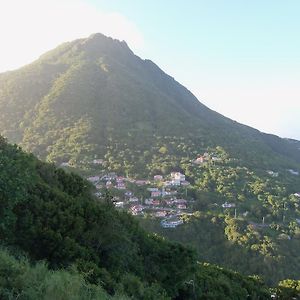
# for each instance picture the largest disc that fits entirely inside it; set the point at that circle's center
(241, 58)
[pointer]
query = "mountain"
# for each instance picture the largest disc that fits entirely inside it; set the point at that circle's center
(93, 97)
(88, 246)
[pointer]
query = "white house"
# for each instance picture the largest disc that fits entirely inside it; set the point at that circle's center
(228, 205)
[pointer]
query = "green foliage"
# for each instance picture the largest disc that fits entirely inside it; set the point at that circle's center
(288, 289)
(60, 222)
(20, 280)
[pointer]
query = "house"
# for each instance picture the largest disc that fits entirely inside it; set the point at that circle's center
(119, 204)
(175, 182)
(228, 205)
(98, 161)
(141, 182)
(128, 193)
(120, 179)
(199, 160)
(156, 202)
(293, 172)
(98, 194)
(93, 179)
(215, 158)
(171, 223)
(158, 177)
(178, 176)
(180, 201)
(272, 173)
(155, 194)
(108, 184)
(137, 208)
(112, 175)
(185, 183)
(160, 214)
(133, 199)
(169, 202)
(181, 206)
(121, 186)
(148, 201)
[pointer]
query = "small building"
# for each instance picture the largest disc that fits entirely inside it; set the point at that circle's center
(93, 179)
(160, 214)
(158, 177)
(133, 199)
(272, 173)
(175, 182)
(181, 206)
(169, 202)
(180, 201)
(108, 184)
(155, 194)
(98, 161)
(121, 186)
(156, 202)
(297, 195)
(171, 223)
(228, 205)
(293, 172)
(199, 160)
(178, 176)
(137, 208)
(120, 179)
(148, 201)
(119, 204)
(185, 183)
(141, 182)
(152, 189)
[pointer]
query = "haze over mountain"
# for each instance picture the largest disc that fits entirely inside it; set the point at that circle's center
(91, 96)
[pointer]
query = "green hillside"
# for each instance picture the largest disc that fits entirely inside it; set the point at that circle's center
(94, 97)
(47, 214)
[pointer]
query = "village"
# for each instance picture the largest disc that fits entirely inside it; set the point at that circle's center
(160, 198)
(164, 198)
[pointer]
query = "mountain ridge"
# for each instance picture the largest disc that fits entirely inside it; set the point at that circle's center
(100, 89)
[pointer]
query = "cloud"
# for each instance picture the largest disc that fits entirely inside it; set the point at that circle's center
(29, 28)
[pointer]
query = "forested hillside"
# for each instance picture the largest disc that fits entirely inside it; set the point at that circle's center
(47, 214)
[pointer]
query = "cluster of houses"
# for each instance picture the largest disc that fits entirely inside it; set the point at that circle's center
(276, 174)
(205, 158)
(162, 200)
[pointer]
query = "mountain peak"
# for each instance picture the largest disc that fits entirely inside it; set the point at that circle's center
(96, 92)
(100, 42)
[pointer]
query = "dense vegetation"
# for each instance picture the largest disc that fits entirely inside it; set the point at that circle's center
(259, 235)
(21, 280)
(49, 215)
(94, 97)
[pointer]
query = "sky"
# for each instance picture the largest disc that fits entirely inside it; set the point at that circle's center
(240, 58)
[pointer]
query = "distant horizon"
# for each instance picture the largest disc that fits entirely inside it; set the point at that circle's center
(239, 60)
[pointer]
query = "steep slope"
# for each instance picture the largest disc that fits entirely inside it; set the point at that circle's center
(90, 96)
(50, 215)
